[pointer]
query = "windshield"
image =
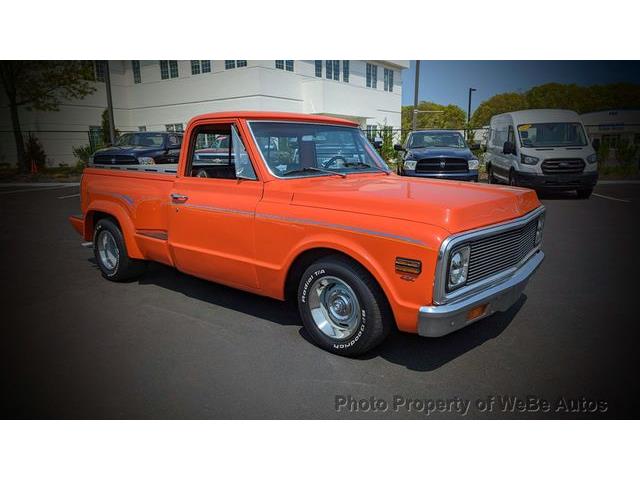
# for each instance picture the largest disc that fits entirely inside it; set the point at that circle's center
(142, 140)
(436, 139)
(552, 135)
(292, 149)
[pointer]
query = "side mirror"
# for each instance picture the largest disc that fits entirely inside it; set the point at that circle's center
(398, 148)
(377, 142)
(508, 148)
(596, 143)
(474, 146)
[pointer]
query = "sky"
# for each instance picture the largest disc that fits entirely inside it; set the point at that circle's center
(448, 81)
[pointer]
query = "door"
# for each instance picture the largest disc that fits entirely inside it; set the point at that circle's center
(212, 208)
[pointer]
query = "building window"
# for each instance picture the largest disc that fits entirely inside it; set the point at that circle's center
(336, 70)
(173, 68)
(101, 70)
(229, 64)
(345, 71)
(388, 80)
(142, 128)
(372, 131)
(200, 66)
(285, 65)
(168, 69)
(135, 65)
(329, 69)
(95, 137)
(372, 75)
(319, 68)
(174, 127)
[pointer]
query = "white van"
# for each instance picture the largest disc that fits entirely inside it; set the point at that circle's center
(541, 149)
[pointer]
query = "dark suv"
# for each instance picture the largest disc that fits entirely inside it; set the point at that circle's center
(437, 154)
(141, 148)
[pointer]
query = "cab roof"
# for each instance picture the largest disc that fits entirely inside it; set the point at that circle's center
(277, 116)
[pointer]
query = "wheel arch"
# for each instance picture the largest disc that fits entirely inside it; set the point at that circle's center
(100, 210)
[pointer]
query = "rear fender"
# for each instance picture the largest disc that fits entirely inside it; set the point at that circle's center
(123, 218)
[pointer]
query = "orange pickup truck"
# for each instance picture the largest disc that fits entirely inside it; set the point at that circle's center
(302, 207)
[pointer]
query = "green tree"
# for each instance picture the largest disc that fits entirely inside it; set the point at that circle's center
(452, 116)
(504, 102)
(41, 85)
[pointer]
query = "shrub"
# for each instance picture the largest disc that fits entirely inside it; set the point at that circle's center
(34, 152)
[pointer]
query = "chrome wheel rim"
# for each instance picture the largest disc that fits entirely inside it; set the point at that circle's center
(108, 250)
(334, 307)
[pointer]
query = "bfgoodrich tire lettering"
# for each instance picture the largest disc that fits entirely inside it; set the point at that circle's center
(111, 254)
(342, 307)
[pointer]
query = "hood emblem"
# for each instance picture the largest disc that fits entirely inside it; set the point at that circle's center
(113, 161)
(443, 164)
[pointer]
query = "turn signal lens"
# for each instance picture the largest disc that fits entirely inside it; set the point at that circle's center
(408, 265)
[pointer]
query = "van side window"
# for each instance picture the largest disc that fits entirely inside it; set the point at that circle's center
(510, 136)
(214, 151)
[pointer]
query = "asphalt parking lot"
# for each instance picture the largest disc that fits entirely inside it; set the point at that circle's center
(172, 346)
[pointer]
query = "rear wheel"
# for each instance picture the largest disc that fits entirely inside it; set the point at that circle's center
(490, 177)
(111, 255)
(513, 181)
(342, 307)
(584, 193)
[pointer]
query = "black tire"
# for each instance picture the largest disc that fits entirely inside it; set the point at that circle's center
(490, 178)
(584, 193)
(513, 180)
(124, 267)
(375, 317)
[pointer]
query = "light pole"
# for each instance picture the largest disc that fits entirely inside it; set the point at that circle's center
(414, 118)
(471, 90)
(112, 128)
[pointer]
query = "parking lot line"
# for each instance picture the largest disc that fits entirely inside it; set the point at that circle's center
(611, 198)
(69, 196)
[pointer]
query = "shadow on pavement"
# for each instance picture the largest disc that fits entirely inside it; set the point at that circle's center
(409, 350)
(426, 354)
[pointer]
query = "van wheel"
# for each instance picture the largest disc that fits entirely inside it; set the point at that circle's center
(111, 255)
(490, 178)
(513, 181)
(584, 193)
(342, 307)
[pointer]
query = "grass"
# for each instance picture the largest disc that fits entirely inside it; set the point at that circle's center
(54, 174)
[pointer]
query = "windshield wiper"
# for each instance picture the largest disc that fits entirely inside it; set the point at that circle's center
(314, 169)
(366, 165)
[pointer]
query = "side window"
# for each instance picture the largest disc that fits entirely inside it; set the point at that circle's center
(217, 151)
(174, 141)
(510, 136)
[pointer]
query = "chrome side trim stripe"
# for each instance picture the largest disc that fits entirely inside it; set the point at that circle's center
(305, 221)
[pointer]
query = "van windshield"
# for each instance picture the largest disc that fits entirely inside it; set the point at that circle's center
(536, 135)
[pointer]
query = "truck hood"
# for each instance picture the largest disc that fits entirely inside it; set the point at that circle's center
(453, 206)
(437, 152)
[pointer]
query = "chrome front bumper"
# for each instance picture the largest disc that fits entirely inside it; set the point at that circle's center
(439, 320)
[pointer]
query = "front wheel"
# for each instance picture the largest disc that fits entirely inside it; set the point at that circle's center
(342, 307)
(513, 181)
(490, 178)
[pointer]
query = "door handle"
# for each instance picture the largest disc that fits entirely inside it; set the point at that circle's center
(179, 198)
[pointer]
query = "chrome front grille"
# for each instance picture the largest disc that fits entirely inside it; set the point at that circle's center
(555, 166)
(494, 254)
(442, 165)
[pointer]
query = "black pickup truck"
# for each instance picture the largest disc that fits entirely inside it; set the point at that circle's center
(437, 154)
(141, 148)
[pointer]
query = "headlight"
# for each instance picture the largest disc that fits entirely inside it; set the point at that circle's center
(592, 158)
(527, 160)
(410, 164)
(458, 268)
(146, 161)
(473, 164)
(539, 229)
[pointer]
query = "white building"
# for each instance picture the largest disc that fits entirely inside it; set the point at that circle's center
(164, 95)
(613, 127)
